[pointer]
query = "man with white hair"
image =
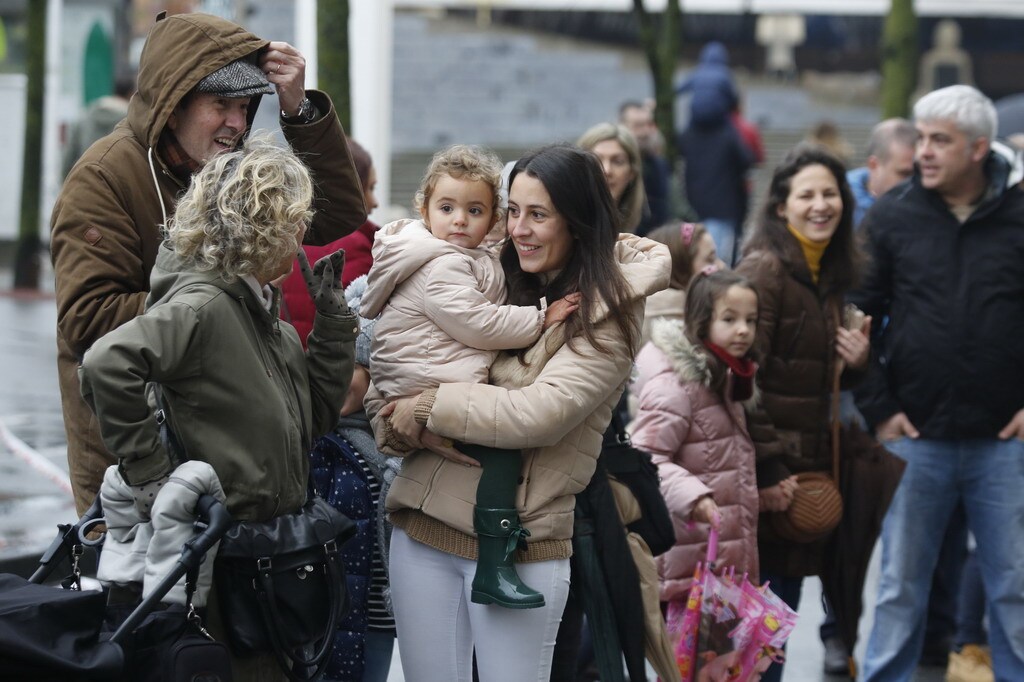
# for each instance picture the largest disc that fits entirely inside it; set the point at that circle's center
(948, 270)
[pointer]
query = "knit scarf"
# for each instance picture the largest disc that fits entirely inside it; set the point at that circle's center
(813, 251)
(743, 370)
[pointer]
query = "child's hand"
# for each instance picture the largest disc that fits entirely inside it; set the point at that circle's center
(561, 309)
(706, 511)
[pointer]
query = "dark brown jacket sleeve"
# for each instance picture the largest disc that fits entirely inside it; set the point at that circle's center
(338, 196)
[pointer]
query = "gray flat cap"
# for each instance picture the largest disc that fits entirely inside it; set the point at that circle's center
(240, 78)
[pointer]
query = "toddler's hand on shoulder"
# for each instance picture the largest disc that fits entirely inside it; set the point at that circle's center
(561, 309)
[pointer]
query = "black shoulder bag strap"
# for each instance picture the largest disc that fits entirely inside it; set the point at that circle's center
(168, 438)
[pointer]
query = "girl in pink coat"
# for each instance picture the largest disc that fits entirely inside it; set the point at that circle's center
(694, 376)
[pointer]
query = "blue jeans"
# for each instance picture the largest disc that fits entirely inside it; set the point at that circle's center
(723, 232)
(970, 616)
(988, 476)
(380, 647)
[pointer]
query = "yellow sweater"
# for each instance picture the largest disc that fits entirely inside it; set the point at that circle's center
(813, 251)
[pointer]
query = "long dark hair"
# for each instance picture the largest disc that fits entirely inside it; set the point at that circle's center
(575, 182)
(842, 261)
(700, 313)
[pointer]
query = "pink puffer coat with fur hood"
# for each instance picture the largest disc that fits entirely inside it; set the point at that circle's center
(701, 446)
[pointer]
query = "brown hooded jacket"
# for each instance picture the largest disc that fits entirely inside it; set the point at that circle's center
(106, 224)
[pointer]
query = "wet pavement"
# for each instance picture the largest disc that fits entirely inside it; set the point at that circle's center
(32, 503)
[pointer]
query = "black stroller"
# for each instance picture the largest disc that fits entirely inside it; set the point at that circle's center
(65, 633)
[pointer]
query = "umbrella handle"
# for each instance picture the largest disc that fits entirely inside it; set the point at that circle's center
(713, 544)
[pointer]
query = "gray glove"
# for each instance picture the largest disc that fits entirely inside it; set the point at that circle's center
(324, 283)
(145, 494)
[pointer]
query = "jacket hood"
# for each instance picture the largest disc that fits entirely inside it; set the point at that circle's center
(399, 250)
(1014, 162)
(688, 362)
(171, 273)
(179, 52)
(668, 303)
(714, 53)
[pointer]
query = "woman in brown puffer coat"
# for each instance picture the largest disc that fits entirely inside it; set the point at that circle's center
(802, 259)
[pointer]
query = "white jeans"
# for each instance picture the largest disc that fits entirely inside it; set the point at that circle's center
(438, 626)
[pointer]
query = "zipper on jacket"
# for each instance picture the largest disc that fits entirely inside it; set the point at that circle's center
(256, 335)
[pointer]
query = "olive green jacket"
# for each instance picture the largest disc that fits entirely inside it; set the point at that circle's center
(240, 392)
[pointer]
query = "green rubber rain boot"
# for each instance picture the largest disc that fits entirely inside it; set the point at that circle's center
(496, 581)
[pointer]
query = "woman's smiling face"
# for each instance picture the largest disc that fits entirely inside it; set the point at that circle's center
(540, 233)
(814, 205)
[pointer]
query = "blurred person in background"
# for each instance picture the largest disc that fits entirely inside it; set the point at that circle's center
(890, 161)
(619, 155)
(99, 119)
(657, 172)
(827, 134)
(296, 305)
(692, 250)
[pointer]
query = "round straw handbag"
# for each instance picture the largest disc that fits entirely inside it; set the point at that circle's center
(815, 511)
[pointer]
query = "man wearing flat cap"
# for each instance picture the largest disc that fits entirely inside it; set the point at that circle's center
(201, 79)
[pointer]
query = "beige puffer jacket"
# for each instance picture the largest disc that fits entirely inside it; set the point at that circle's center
(555, 409)
(670, 304)
(442, 318)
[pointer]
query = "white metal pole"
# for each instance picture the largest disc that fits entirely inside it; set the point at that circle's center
(305, 38)
(371, 40)
(51, 166)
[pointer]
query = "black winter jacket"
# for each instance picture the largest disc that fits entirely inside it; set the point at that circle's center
(952, 353)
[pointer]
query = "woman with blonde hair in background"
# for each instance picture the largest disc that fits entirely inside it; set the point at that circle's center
(619, 155)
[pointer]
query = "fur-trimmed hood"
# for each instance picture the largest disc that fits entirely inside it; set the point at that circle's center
(687, 360)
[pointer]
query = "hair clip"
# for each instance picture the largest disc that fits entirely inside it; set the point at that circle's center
(708, 270)
(688, 229)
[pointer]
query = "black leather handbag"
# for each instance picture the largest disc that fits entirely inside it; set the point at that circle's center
(281, 586)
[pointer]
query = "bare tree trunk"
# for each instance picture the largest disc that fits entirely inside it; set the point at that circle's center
(899, 58)
(26, 257)
(661, 43)
(332, 52)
